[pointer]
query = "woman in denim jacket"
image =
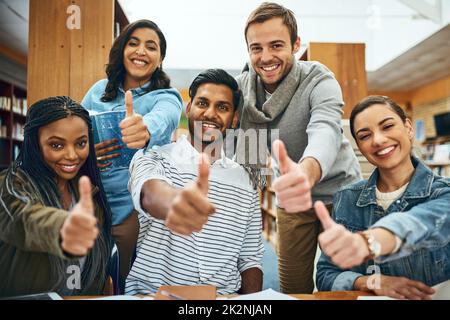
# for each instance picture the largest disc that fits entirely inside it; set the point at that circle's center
(396, 224)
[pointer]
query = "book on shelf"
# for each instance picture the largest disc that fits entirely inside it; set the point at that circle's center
(442, 170)
(17, 132)
(19, 106)
(3, 128)
(105, 126)
(5, 103)
(16, 151)
(441, 153)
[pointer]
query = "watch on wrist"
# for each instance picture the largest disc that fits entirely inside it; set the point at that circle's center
(372, 244)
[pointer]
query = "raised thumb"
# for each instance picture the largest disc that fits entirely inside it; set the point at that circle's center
(281, 155)
(203, 173)
(323, 215)
(129, 103)
(84, 189)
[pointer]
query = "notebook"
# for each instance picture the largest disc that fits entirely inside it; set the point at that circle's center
(105, 126)
(205, 292)
(36, 296)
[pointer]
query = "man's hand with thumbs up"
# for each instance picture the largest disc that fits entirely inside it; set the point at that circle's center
(79, 231)
(293, 187)
(134, 131)
(346, 249)
(191, 208)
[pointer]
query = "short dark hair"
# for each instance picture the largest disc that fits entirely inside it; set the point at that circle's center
(270, 10)
(115, 69)
(370, 101)
(217, 76)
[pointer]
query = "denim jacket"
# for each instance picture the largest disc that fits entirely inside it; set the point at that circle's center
(420, 217)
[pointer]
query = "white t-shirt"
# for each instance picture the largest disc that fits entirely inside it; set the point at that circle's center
(385, 199)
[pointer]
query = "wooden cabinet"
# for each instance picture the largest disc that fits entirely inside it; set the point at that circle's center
(63, 61)
(347, 62)
(13, 107)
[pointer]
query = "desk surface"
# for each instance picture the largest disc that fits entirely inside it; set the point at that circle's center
(325, 295)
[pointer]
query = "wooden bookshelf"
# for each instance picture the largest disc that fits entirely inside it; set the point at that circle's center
(269, 213)
(13, 107)
(440, 166)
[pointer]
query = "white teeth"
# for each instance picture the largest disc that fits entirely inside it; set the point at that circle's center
(385, 151)
(270, 68)
(209, 125)
(139, 62)
(68, 167)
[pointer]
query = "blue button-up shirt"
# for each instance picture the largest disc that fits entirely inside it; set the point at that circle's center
(420, 217)
(161, 110)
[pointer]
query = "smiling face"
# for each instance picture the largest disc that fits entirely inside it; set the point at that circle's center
(212, 109)
(383, 138)
(141, 57)
(271, 52)
(65, 146)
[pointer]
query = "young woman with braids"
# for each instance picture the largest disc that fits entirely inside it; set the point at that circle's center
(153, 112)
(55, 223)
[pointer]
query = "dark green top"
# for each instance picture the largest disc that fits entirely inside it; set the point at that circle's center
(30, 244)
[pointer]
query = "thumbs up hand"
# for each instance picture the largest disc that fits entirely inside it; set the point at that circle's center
(191, 208)
(292, 188)
(134, 131)
(79, 231)
(345, 249)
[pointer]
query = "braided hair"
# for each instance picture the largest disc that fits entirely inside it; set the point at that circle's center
(42, 178)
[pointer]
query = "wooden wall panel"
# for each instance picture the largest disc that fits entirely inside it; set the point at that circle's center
(422, 96)
(426, 113)
(48, 49)
(90, 45)
(402, 98)
(436, 90)
(347, 62)
(63, 61)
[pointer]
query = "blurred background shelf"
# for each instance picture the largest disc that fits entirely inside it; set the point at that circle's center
(13, 106)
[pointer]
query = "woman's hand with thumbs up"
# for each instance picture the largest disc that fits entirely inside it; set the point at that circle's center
(345, 249)
(134, 131)
(79, 231)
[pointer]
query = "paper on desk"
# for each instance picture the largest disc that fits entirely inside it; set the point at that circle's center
(267, 294)
(375, 298)
(442, 291)
(122, 297)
